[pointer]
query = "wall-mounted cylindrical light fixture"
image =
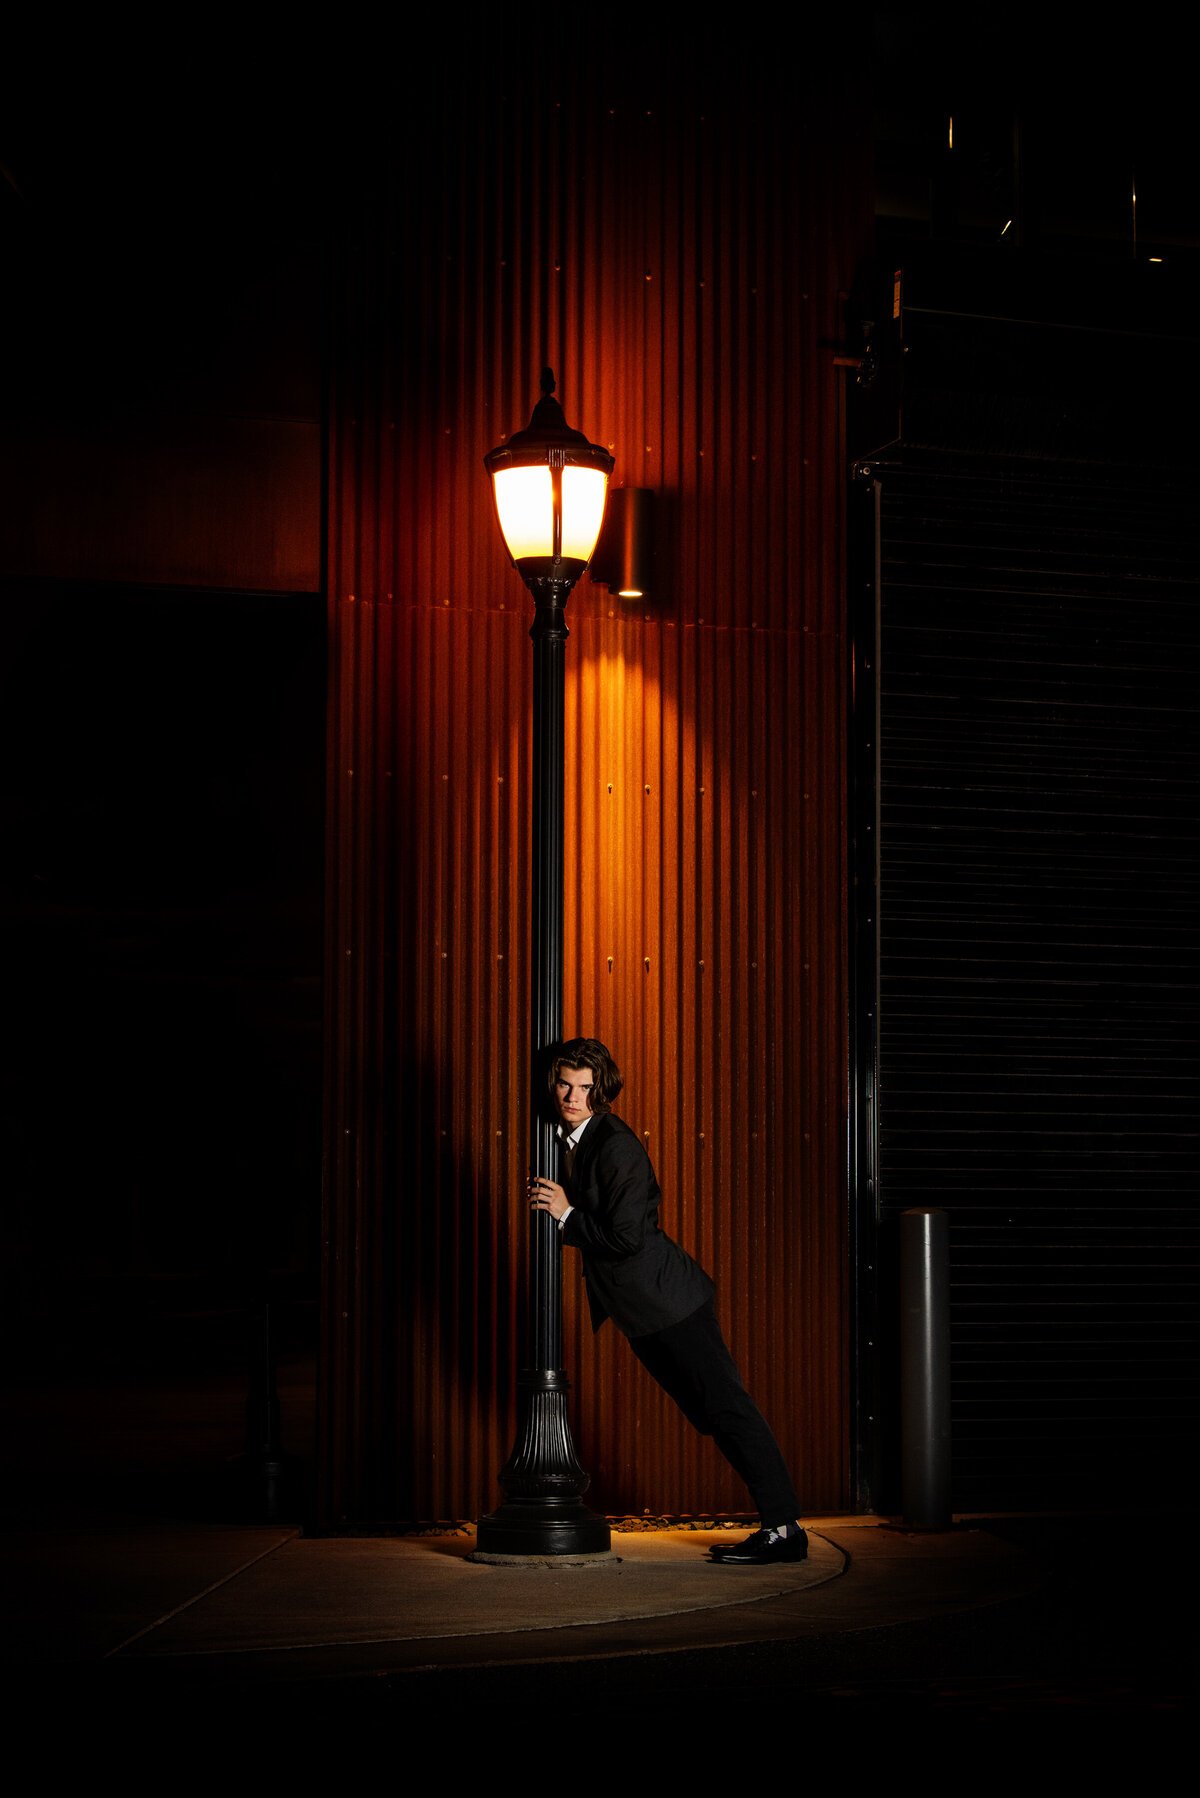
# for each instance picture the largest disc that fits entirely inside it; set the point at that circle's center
(624, 557)
(549, 484)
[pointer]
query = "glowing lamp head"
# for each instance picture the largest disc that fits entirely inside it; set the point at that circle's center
(549, 484)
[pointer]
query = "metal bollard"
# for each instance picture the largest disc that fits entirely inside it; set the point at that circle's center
(925, 1367)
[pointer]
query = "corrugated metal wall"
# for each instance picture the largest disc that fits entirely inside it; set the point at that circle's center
(677, 257)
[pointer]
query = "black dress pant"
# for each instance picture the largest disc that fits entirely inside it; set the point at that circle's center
(691, 1362)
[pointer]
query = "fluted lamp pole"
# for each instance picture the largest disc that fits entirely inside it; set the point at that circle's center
(549, 484)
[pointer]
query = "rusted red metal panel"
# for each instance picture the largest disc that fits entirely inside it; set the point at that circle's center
(678, 261)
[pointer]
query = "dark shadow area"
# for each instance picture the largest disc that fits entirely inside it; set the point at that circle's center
(164, 755)
(1036, 733)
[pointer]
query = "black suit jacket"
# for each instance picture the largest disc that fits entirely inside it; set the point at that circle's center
(635, 1274)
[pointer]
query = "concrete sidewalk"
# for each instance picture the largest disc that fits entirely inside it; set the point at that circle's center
(182, 1603)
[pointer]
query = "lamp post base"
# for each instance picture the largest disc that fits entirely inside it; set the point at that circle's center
(541, 1527)
(544, 1484)
(543, 1511)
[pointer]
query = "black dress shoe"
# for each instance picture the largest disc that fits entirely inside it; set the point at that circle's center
(765, 1548)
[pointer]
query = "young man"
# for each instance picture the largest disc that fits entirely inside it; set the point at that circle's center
(607, 1207)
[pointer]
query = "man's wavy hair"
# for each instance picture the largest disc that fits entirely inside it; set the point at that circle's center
(586, 1052)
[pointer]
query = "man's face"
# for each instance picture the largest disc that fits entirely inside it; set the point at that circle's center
(573, 1095)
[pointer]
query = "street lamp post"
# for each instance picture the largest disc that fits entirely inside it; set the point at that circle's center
(549, 485)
